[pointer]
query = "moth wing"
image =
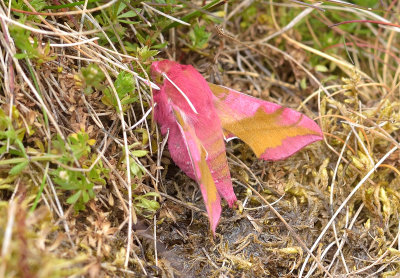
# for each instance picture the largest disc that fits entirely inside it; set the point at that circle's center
(272, 131)
(198, 154)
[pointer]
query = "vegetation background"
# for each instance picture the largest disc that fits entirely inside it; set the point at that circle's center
(88, 189)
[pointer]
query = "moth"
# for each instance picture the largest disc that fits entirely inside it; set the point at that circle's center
(199, 116)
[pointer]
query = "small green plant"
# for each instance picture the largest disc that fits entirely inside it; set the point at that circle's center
(125, 87)
(145, 53)
(145, 204)
(30, 47)
(199, 37)
(79, 183)
(193, 15)
(117, 17)
(11, 140)
(136, 169)
(38, 5)
(120, 13)
(90, 78)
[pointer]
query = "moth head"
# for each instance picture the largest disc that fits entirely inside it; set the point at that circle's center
(159, 69)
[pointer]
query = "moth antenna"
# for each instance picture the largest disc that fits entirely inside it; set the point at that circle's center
(182, 93)
(227, 140)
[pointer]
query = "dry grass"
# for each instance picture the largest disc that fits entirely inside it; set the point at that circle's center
(88, 189)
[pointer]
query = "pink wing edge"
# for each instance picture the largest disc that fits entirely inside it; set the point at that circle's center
(193, 147)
